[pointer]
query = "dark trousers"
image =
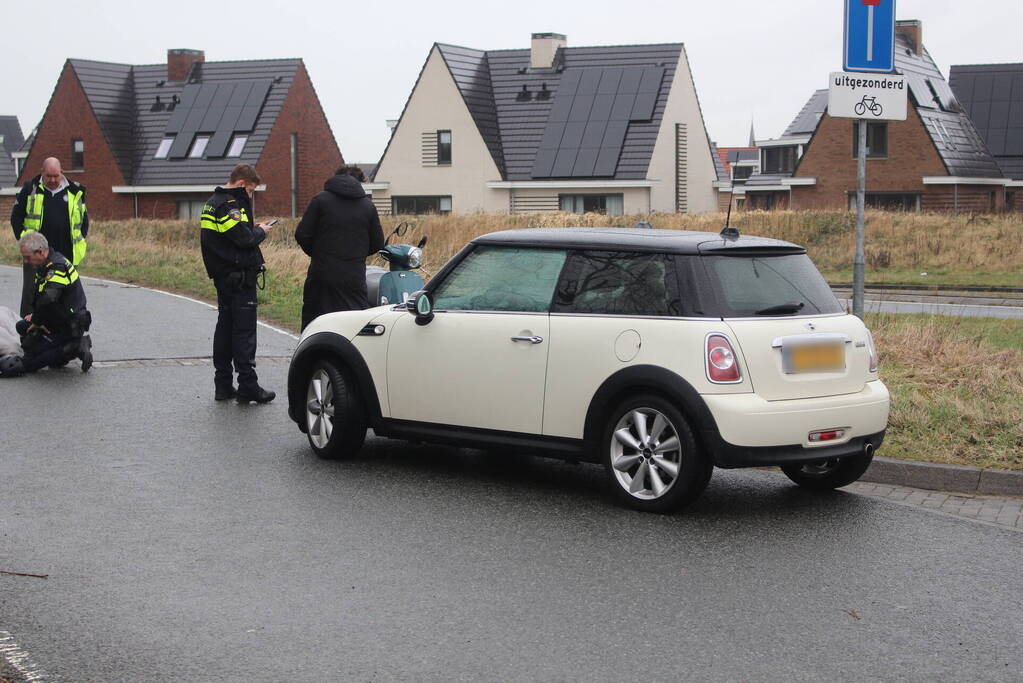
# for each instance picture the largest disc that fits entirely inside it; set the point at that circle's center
(47, 349)
(234, 340)
(28, 289)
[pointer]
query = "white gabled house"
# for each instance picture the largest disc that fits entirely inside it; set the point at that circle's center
(611, 129)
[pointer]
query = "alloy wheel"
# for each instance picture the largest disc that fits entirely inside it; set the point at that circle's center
(646, 453)
(320, 408)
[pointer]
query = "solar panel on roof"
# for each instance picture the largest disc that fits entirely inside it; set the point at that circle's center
(252, 106)
(218, 109)
(590, 114)
(585, 162)
(182, 110)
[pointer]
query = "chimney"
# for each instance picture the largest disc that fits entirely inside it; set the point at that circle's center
(180, 61)
(913, 31)
(544, 48)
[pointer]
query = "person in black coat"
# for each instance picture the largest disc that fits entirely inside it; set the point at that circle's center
(338, 230)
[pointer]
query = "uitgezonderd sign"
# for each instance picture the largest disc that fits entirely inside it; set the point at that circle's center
(867, 96)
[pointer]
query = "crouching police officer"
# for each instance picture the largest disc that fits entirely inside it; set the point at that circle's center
(233, 260)
(55, 331)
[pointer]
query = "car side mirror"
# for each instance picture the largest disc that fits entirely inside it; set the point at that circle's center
(422, 242)
(420, 304)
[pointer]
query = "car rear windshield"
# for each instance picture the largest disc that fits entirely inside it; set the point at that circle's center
(752, 285)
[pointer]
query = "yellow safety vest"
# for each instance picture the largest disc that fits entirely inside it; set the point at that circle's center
(75, 208)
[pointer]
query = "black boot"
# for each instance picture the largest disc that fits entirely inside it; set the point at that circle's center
(85, 352)
(257, 394)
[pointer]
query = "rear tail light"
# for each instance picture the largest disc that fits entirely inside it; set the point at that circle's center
(873, 351)
(826, 435)
(722, 365)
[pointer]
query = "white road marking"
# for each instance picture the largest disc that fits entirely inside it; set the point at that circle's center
(19, 659)
(186, 298)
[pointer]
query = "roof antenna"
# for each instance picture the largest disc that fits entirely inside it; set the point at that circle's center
(728, 233)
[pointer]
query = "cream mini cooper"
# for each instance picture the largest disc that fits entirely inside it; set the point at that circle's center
(657, 353)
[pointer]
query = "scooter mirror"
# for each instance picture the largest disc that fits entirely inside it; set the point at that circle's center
(401, 229)
(420, 304)
(422, 242)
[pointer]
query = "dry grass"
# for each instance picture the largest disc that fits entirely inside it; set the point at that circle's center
(956, 397)
(957, 385)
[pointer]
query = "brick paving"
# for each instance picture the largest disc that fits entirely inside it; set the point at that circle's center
(1003, 512)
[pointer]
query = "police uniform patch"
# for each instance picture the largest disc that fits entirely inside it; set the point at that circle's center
(235, 214)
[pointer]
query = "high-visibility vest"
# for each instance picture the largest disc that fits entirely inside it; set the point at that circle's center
(75, 209)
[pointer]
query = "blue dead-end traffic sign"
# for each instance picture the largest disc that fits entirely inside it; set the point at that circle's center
(869, 36)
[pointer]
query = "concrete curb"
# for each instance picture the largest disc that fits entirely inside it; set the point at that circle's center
(937, 477)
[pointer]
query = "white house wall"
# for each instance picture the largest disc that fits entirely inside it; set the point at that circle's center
(436, 104)
(683, 107)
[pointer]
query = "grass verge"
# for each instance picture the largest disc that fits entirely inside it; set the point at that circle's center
(956, 383)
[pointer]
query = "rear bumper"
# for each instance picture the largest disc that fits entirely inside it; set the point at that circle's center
(751, 431)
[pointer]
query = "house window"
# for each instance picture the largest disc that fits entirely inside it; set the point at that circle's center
(741, 172)
(416, 206)
(199, 146)
(164, 149)
(610, 204)
(77, 155)
(877, 140)
(888, 201)
(190, 209)
(18, 163)
(443, 147)
(779, 159)
(237, 144)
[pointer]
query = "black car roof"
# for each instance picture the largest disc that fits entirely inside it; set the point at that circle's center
(634, 239)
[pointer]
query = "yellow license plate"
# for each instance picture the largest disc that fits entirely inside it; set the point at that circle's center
(816, 358)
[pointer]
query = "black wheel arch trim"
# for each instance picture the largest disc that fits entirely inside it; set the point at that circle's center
(647, 378)
(329, 344)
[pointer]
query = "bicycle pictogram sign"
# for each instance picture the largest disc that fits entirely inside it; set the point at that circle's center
(868, 104)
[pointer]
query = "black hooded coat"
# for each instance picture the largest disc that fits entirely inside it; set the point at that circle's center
(339, 229)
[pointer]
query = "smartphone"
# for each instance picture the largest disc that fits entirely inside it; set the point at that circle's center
(271, 222)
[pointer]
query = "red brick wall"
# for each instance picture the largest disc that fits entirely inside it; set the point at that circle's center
(318, 153)
(829, 159)
(69, 116)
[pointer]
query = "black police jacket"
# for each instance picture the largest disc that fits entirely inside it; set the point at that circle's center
(60, 297)
(230, 240)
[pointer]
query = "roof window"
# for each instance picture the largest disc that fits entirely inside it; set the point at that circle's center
(199, 146)
(237, 144)
(164, 149)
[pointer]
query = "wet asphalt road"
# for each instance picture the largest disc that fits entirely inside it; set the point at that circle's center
(188, 540)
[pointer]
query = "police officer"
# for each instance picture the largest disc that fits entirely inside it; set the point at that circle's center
(55, 206)
(54, 332)
(230, 251)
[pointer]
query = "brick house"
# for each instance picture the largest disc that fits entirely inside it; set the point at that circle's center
(993, 96)
(153, 141)
(737, 165)
(614, 129)
(933, 161)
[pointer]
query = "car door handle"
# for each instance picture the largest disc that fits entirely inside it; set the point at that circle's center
(531, 340)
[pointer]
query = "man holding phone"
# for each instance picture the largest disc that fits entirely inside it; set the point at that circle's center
(230, 251)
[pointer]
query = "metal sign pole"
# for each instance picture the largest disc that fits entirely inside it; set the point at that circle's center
(861, 190)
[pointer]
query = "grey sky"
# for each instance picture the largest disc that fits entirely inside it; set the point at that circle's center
(750, 58)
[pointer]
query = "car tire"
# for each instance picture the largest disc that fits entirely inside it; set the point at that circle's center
(651, 457)
(825, 475)
(334, 415)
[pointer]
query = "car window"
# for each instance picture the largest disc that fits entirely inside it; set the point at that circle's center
(501, 279)
(619, 283)
(769, 285)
